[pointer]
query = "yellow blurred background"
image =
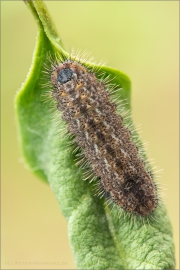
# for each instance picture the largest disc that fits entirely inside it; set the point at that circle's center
(141, 38)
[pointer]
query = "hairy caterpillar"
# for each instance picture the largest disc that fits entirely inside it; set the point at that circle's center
(102, 136)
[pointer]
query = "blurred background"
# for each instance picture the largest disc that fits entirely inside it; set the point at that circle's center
(141, 38)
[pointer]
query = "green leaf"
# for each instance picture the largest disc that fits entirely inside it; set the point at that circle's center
(99, 239)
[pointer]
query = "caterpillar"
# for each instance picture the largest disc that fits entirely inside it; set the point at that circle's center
(92, 118)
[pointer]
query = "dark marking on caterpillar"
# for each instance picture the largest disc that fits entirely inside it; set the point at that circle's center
(106, 142)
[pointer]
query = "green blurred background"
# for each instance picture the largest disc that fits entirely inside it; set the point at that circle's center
(138, 37)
